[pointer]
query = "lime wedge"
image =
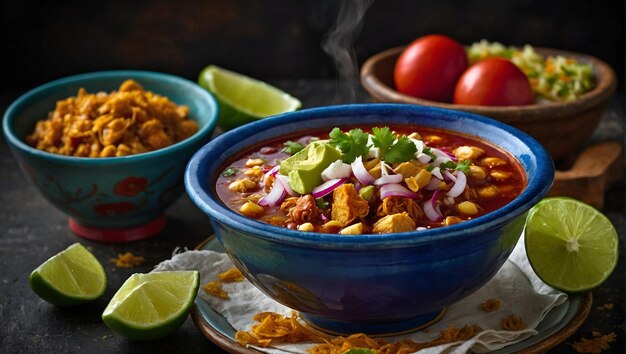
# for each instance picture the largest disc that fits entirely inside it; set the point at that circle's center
(153, 305)
(71, 277)
(243, 99)
(570, 245)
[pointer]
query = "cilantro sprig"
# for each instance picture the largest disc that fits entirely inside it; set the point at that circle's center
(352, 145)
(355, 143)
(463, 165)
(292, 147)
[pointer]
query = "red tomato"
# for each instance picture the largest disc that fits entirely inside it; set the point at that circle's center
(430, 67)
(493, 82)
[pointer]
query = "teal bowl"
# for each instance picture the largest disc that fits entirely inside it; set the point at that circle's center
(113, 199)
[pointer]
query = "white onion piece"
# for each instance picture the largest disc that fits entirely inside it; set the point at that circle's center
(439, 153)
(449, 175)
(275, 196)
(337, 169)
(361, 173)
(419, 145)
(374, 152)
(387, 179)
(459, 185)
(423, 158)
(433, 184)
(437, 173)
(421, 228)
(327, 187)
(433, 213)
(440, 159)
(284, 180)
(272, 172)
(396, 190)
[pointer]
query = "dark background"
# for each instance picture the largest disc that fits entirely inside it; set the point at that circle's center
(274, 39)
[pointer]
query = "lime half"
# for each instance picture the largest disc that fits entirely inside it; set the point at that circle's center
(71, 277)
(243, 99)
(153, 305)
(570, 245)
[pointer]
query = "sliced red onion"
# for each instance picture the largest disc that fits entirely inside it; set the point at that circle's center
(324, 218)
(423, 158)
(337, 169)
(275, 196)
(459, 185)
(449, 153)
(272, 172)
(433, 213)
(439, 153)
(383, 168)
(361, 173)
(433, 198)
(449, 176)
(387, 179)
(327, 187)
(433, 184)
(284, 180)
(396, 190)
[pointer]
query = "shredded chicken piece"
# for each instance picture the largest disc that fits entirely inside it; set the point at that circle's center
(305, 210)
(395, 205)
(348, 205)
(400, 222)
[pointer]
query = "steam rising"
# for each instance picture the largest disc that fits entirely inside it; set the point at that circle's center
(338, 43)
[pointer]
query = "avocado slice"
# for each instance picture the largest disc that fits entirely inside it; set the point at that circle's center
(305, 167)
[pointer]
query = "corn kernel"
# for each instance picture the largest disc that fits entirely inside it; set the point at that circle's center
(333, 223)
(415, 135)
(356, 229)
(251, 210)
(477, 173)
(468, 208)
(433, 139)
(423, 178)
(376, 171)
(488, 192)
(500, 175)
(307, 226)
(493, 161)
(254, 162)
(451, 220)
(242, 185)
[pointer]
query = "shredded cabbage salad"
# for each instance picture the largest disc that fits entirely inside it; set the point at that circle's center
(553, 78)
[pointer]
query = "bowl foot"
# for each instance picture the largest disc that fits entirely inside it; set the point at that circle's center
(118, 235)
(378, 329)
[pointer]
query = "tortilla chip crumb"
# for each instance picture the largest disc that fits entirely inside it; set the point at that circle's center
(215, 288)
(595, 345)
(513, 323)
(607, 307)
(230, 276)
(491, 305)
(127, 260)
(273, 328)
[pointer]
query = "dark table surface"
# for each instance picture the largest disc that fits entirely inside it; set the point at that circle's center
(32, 230)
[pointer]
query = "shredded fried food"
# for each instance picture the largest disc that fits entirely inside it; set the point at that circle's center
(606, 307)
(273, 328)
(491, 305)
(596, 345)
(127, 260)
(215, 288)
(513, 323)
(124, 122)
(348, 204)
(305, 210)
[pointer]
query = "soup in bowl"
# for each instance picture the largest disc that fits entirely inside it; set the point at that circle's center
(395, 235)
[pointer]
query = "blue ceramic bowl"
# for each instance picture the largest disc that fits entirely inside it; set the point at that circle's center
(109, 199)
(369, 283)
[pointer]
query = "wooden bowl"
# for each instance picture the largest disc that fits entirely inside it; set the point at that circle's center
(562, 127)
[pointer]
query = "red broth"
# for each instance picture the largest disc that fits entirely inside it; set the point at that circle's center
(494, 179)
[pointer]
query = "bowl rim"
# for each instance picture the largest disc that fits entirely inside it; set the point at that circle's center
(604, 89)
(44, 89)
(210, 204)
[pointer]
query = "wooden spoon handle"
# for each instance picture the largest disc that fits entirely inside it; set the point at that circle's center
(597, 167)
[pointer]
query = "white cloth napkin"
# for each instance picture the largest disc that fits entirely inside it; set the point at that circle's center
(516, 286)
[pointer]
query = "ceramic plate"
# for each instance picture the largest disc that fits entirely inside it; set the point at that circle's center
(560, 323)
